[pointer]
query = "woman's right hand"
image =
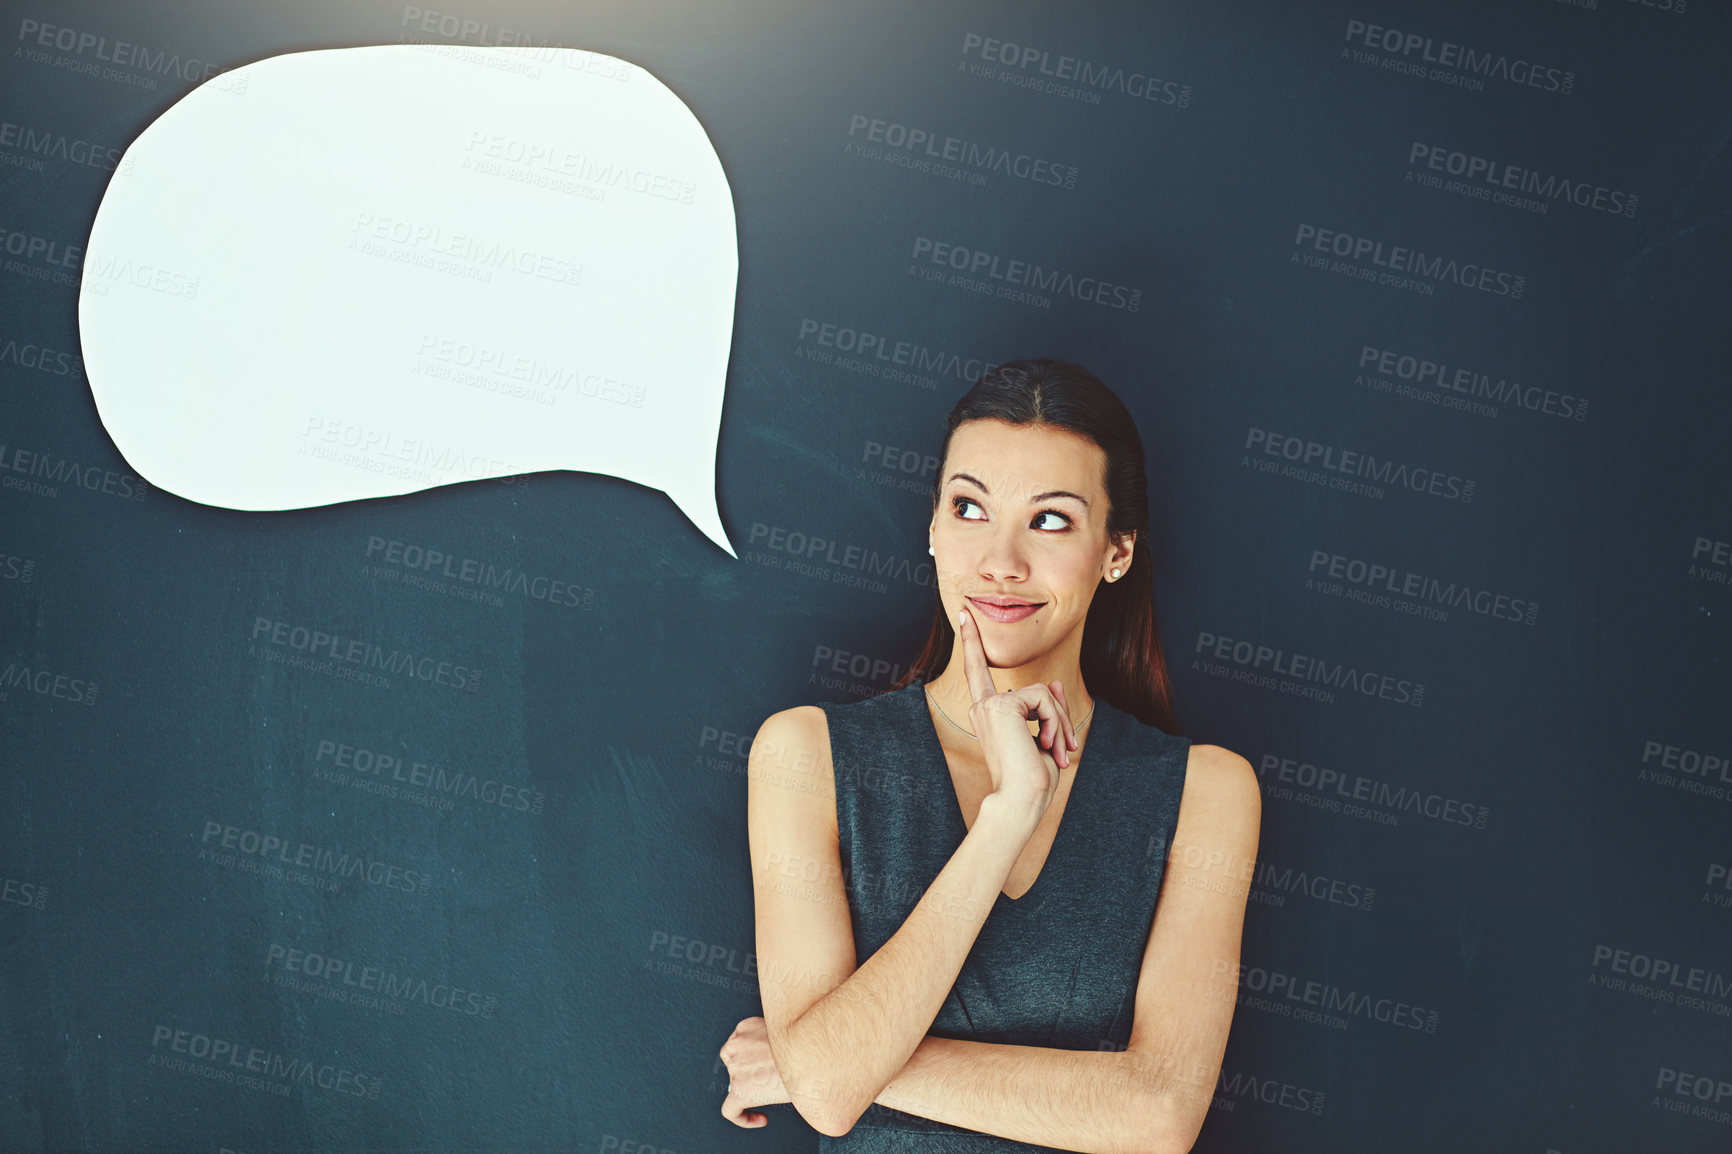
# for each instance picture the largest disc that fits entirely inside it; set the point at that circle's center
(1023, 770)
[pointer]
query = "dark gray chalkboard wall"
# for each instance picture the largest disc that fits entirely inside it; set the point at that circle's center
(1529, 856)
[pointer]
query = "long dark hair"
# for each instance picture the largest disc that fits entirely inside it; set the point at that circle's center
(1122, 660)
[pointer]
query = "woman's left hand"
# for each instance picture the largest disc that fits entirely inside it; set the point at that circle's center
(752, 1074)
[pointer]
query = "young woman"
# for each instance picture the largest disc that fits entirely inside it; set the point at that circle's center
(999, 907)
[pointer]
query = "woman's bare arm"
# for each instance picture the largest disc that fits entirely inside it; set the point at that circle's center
(1189, 981)
(839, 1033)
(1085, 1100)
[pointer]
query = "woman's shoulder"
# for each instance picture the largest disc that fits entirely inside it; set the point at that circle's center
(1218, 761)
(798, 725)
(788, 775)
(1222, 778)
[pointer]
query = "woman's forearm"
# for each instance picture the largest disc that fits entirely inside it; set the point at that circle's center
(1096, 1101)
(843, 1050)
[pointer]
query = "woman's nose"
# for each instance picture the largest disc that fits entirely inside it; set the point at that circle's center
(1004, 559)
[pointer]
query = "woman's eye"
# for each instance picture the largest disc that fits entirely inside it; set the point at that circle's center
(1059, 520)
(963, 504)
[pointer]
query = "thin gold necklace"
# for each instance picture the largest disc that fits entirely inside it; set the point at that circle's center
(1074, 729)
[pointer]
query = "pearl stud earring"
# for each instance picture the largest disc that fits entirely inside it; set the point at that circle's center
(1115, 574)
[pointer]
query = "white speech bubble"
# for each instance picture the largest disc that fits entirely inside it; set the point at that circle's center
(361, 272)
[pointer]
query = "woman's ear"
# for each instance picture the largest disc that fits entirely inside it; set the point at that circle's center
(1119, 556)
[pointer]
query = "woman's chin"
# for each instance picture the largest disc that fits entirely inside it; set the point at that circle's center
(1011, 656)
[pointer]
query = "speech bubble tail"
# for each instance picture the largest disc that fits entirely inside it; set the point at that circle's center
(701, 510)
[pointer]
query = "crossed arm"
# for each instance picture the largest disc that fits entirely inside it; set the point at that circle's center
(844, 1036)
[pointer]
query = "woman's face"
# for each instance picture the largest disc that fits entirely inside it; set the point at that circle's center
(1019, 537)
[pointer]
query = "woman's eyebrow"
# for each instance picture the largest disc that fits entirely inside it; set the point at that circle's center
(1037, 497)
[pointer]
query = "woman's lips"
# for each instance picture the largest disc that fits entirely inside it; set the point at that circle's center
(1005, 613)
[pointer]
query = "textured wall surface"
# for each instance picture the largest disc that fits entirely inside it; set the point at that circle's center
(1421, 311)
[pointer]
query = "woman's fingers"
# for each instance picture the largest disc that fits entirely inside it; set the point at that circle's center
(1055, 732)
(753, 1079)
(734, 1110)
(1050, 732)
(1049, 729)
(1063, 734)
(1057, 688)
(1061, 731)
(980, 685)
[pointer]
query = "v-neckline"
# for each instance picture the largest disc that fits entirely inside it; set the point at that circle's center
(961, 822)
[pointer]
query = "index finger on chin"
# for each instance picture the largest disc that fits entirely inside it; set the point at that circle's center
(980, 684)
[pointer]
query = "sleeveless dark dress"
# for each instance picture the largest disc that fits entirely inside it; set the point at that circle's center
(1056, 967)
